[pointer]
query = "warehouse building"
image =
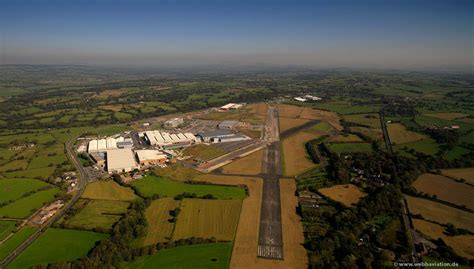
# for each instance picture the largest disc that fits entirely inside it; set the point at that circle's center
(151, 157)
(220, 136)
(102, 145)
(228, 124)
(121, 161)
(167, 141)
(230, 106)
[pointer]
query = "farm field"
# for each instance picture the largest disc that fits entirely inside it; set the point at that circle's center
(322, 126)
(400, 135)
(151, 185)
(345, 108)
(201, 256)
(375, 134)
(177, 172)
(207, 218)
(441, 213)
(463, 245)
(252, 113)
(427, 146)
(14, 241)
(248, 165)
(108, 190)
(6, 227)
(15, 188)
(295, 158)
(446, 189)
(447, 115)
(98, 214)
(23, 207)
(57, 245)
(159, 228)
(288, 123)
(370, 120)
(462, 173)
(346, 138)
(293, 111)
(204, 152)
(350, 147)
(346, 194)
(456, 153)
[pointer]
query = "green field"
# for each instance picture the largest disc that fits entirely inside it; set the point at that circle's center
(98, 214)
(109, 190)
(456, 153)
(43, 173)
(57, 245)
(322, 126)
(151, 185)
(350, 147)
(370, 120)
(203, 256)
(22, 208)
(12, 189)
(427, 146)
(345, 108)
(6, 227)
(15, 241)
(204, 152)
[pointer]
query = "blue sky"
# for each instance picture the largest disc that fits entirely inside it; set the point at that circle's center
(379, 33)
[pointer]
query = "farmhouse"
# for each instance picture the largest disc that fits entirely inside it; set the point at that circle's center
(120, 161)
(227, 124)
(151, 157)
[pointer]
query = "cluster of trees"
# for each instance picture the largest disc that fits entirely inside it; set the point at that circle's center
(193, 195)
(312, 148)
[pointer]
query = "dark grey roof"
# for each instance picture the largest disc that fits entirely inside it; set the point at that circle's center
(216, 133)
(228, 123)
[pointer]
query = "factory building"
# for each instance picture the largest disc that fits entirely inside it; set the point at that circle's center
(230, 106)
(300, 99)
(313, 98)
(174, 122)
(120, 161)
(151, 157)
(102, 145)
(168, 141)
(227, 124)
(99, 158)
(221, 136)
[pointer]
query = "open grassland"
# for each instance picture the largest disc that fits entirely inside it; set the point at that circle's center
(43, 173)
(6, 228)
(23, 207)
(57, 245)
(350, 147)
(462, 173)
(177, 172)
(446, 189)
(400, 135)
(370, 120)
(463, 245)
(13, 242)
(441, 213)
(202, 256)
(109, 190)
(204, 152)
(151, 185)
(288, 123)
(13, 189)
(159, 229)
(427, 146)
(346, 138)
(248, 165)
(295, 157)
(346, 194)
(375, 134)
(456, 153)
(253, 114)
(98, 214)
(207, 218)
(447, 115)
(322, 126)
(345, 108)
(308, 113)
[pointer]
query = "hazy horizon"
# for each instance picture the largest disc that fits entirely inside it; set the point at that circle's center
(366, 34)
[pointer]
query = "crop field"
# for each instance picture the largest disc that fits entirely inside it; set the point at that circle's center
(208, 218)
(400, 135)
(346, 138)
(201, 256)
(109, 190)
(157, 215)
(151, 185)
(346, 194)
(204, 152)
(427, 146)
(370, 120)
(446, 189)
(426, 121)
(57, 245)
(462, 173)
(463, 245)
(23, 207)
(441, 213)
(248, 165)
(13, 189)
(14, 241)
(350, 147)
(6, 227)
(288, 123)
(98, 214)
(447, 115)
(295, 158)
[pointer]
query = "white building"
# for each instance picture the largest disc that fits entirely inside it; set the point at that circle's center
(300, 99)
(167, 140)
(121, 161)
(102, 145)
(313, 98)
(230, 106)
(151, 157)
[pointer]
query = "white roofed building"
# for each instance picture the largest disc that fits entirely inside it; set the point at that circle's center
(121, 161)
(151, 157)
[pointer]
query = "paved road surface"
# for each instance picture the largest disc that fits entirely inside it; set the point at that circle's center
(82, 181)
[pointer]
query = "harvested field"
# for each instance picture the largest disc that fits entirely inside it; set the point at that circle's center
(463, 173)
(463, 245)
(248, 165)
(159, 228)
(446, 189)
(114, 108)
(399, 134)
(441, 213)
(207, 218)
(330, 117)
(289, 111)
(295, 158)
(346, 194)
(288, 123)
(447, 115)
(109, 190)
(308, 113)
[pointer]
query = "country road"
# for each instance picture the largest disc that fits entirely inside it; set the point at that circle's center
(82, 182)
